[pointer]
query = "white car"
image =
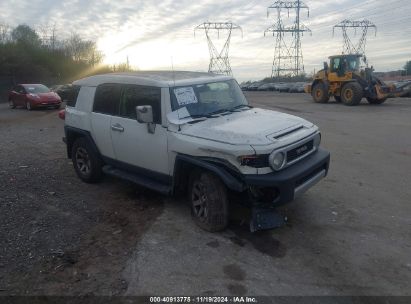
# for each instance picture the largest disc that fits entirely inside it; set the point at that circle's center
(192, 132)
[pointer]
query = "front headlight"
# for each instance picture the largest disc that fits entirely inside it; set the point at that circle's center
(277, 160)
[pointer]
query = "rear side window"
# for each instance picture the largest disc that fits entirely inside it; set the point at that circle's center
(72, 94)
(107, 99)
(19, 89)
(134, 96)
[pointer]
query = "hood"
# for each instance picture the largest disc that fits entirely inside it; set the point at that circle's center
(252, 127)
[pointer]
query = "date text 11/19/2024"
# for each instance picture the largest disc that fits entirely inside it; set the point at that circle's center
(203, 299)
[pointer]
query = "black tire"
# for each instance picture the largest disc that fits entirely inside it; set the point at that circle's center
(376, 101)
(87, 163)
(209, 201)
(337, 98)
(320, 93)
(12, 105)
(28, 106)
(351, 93)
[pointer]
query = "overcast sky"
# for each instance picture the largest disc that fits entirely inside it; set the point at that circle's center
(155, 33)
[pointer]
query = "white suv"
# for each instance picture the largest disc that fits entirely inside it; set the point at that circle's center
(192, 132)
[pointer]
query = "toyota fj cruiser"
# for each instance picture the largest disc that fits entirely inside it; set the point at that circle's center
(192, 132)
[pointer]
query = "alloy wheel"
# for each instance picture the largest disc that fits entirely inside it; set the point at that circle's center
(199, 200)
(83, 161)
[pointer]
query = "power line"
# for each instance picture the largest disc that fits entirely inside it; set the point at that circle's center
(288, 57)
(349, 46)
(219, 60)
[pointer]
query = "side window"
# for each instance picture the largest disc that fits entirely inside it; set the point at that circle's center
(72, 94)
(336, 64)
(107, 99)
(20, 90)
(134, 96)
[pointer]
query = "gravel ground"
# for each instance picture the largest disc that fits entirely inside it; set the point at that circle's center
(349, 235)
(59, 236)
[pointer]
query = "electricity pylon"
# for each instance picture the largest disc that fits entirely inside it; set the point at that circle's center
(219, 60)
(288, 57)
(349, 46)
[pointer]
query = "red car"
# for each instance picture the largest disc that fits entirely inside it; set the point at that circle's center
(33, 96)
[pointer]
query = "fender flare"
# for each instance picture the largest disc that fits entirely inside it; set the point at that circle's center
(72, 133)
(229, 180)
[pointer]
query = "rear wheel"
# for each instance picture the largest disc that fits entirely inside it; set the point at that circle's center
(86, 162)
(320, 93)
(376, 100)
(209, 202)
(12, 105)
(28, 106)
(351, 94)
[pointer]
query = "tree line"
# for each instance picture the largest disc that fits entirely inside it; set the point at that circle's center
(40, 56)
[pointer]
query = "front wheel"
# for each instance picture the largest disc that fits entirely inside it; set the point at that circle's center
(376, 101)
(86, 162)
(209, 202)
(28, 106)
(351, 94)
(320, 93)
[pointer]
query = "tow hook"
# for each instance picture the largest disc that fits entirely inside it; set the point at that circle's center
(266, 218)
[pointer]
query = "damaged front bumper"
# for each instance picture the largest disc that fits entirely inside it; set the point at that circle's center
(281, 187)
(274, 189)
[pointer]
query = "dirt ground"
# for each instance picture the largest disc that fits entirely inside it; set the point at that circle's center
(349, 235)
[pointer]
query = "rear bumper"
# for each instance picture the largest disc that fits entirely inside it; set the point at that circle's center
(295, 180)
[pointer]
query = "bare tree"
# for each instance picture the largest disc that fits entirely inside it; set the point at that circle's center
(48, 35)
(82, 50)
(5, 33)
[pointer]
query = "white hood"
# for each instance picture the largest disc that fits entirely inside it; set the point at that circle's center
(252, 127)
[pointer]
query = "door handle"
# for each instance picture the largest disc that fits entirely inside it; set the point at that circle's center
(117, 127)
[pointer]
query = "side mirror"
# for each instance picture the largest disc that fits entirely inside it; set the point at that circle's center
(144, 114)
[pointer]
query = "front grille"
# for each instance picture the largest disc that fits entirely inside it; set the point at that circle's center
(300, 151)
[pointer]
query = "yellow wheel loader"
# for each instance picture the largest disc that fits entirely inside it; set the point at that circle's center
(348, 83)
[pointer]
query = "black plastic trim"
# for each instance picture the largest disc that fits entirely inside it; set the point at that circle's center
(70, 131)
(287, 180)
(159, 177)
(229, 180)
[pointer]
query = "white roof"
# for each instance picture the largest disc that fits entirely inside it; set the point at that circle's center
(153, 78)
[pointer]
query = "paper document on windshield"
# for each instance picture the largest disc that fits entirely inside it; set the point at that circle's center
(185, 96)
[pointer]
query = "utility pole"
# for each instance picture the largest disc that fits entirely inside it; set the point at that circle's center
(219, 60)
(349, 26)
(288, 57)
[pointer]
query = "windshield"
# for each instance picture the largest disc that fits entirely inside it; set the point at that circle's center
(37, 88)
(209, 98)
(353, 63)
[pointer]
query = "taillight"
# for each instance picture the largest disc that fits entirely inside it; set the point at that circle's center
(62, 114)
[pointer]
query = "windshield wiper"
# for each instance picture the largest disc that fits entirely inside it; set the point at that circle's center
(221, 111)
(239, 107)
(218, 112)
